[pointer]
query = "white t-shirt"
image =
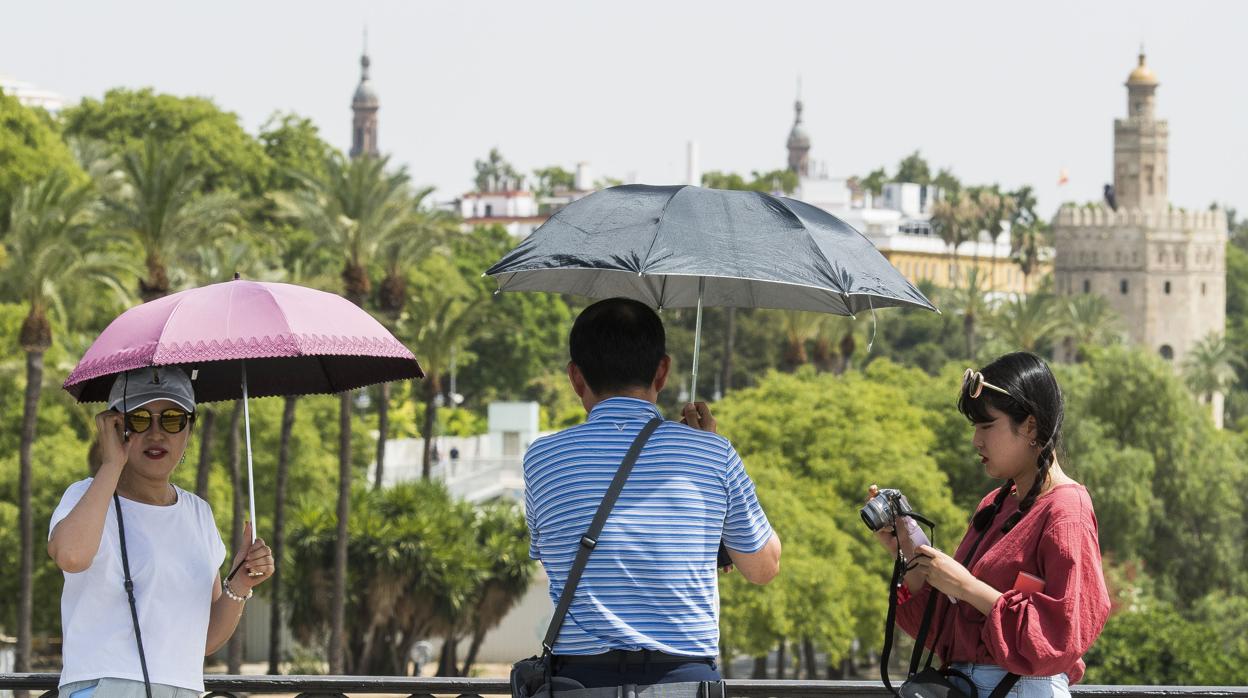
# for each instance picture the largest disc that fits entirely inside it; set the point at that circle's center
(175, 555)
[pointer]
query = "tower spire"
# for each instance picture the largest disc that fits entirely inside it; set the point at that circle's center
(364, 106)
(799, 142)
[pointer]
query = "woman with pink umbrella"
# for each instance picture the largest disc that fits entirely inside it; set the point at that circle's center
(231, 341)
(129, 523)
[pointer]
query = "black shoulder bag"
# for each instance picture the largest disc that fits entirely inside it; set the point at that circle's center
(134, 609)
(533, 675)
(930, 682)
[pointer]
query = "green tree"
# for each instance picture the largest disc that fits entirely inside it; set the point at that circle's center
(552, 179)
(293, 143)
(875, 180)
(1087, 320)
(219, 149)
(1025, 323)
(1211, 366)
(956, 219)
(30, 149)
(524, 335)
(162, 209)
(813, 443)
(445, 312)
(422, 564)
(494, 173)
(1027, 241)
(51, 244)
(421, 234)
(914, 169)
(971, 302)
(355, 207)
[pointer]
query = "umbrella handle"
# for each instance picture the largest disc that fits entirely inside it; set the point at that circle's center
(251, 480)
(697, 343)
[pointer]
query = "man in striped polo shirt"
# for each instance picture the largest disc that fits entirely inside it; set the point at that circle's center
(646, 610)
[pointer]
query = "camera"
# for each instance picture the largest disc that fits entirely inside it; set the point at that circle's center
(883, 510)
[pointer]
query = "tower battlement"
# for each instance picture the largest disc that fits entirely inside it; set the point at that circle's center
(1071, 216)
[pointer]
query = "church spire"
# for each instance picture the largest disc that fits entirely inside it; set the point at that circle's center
(799, 141)
(364, 107)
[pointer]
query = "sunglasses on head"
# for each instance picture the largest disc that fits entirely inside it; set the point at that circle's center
(973, 383)
(172, 420)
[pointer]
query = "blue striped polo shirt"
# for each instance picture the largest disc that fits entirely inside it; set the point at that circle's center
(651, 582)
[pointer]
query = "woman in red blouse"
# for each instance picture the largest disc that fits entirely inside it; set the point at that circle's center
(1033, 598)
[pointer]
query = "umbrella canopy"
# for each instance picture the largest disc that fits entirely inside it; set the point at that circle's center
(242, 339)
(295, 341)
(681, 246)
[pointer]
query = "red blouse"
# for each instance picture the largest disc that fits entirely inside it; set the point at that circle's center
(1030, 633)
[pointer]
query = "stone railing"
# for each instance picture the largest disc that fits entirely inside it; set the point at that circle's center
(226, 686)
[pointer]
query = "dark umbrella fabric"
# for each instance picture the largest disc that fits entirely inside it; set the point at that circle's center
(662, 245)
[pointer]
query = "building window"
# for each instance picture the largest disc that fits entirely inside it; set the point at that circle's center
(1087, 286)
(1166, 352)
(1202, 289)
(489, 210)
(1122, 286)
(1166, 287)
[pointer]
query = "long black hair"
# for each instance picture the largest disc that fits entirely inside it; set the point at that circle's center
(1033, 392)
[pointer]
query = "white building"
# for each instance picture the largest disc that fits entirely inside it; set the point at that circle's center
(510, 204)
(31, 96)
(898, 223)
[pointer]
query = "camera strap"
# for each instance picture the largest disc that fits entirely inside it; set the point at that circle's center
(129, 584)
(929, 612)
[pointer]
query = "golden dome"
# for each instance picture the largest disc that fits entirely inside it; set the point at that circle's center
(1142, 75)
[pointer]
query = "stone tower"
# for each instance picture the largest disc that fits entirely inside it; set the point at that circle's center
(364, 106)
(1163, 269)
(1141, 142)
(799, 142)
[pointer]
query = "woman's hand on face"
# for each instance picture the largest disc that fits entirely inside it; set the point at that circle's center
(257, 561)
(110, 424)
(942, 571)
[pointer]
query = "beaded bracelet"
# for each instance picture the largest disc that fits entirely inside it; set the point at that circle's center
(225, 586)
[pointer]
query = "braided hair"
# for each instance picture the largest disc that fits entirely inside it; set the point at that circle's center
(1033, 392)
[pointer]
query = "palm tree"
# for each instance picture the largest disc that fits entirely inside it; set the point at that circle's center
(162, 207)
(1027, 239)
(444, 313)
(799, 327)
(1025, 323)
(50, 245)
(971, 302)
(956, 219)
(1088, 320)
(1211, 367)
(995, 208)
(353, 208)
(423, 231)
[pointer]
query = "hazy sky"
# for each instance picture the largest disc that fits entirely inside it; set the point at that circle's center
(997, 91)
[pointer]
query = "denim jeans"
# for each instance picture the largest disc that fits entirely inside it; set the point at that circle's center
(987, 676)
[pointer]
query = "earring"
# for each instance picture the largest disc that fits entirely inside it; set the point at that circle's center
(183, 458)
(1033, 443)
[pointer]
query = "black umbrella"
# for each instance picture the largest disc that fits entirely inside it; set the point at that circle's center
(685, 246)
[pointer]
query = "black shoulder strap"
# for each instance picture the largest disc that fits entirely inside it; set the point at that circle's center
(134, 609)
(898, 578)
(590, 539)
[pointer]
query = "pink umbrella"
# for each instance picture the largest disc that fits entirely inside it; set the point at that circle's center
(240, 339)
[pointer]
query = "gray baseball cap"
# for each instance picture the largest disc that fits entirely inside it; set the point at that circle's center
(136, 388)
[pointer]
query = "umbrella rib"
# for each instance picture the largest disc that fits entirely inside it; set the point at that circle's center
(784, 202)
(662, 214)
